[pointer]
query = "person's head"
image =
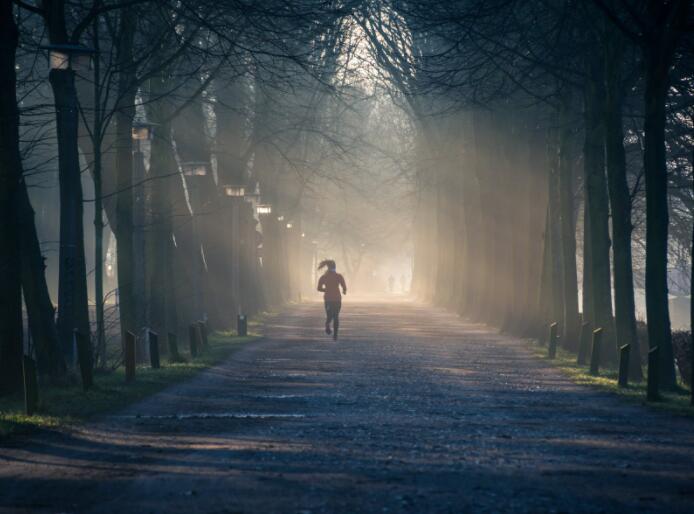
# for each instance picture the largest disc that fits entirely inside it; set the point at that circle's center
(328, 263)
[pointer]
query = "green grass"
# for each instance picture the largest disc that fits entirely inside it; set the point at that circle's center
(62, 405)
(677, 401)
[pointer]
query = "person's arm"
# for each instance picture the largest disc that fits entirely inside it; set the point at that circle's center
(342, 283)
(321, 285)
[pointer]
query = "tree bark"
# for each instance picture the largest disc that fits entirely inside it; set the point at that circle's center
(73, 310)
(657, 217)
(11, 333)
(620, 203)
(658, 48)
(125, 112)
(567, 224)
(598, 209)
(160, 249)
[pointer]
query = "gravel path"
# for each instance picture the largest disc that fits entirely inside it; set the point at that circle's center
(413, 410)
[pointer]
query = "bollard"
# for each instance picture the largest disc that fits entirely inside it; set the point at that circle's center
(552, 346)
(84, 355)
(583, 344)
(595, 353)
(174, 356)
(203, 333)
(193, 339)
(241, 325)
(624, 351)
(653, 375)
(129, 356)
(31, 386)
(153, 349)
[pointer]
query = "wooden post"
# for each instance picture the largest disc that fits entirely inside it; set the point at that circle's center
(153, 349)
(583, 344)
(31, 386)
(129, 356)
(595, 353)
(86, 361)
(203, 333)
(193, 339)
(552, 346)
(624, 365)
(174, 356)
(241, 325)
(653, 395)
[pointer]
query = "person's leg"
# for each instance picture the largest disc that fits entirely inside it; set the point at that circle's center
(336, 317)
(328, 317)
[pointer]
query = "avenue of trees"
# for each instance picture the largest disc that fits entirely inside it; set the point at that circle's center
(558, 172)
(540, 149)
(235, 97)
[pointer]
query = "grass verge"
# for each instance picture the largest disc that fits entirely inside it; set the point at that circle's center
(62, 405)
(677, 401)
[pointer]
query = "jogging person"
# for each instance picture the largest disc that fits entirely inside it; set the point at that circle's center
(329, 284)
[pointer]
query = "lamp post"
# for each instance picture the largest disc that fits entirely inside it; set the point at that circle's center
(73, 314)
(140, 131)
(236, 193)
(194, 172)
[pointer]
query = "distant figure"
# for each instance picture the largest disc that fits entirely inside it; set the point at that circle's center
(391, 284)
(329, 284)
(402, 283)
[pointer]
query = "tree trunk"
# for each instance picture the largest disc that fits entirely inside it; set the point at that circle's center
(567, 225)
(11, 336)
(556, 301)
(40, 309)
(620, 203)
(125, 111)
(598, 209)
(73, 310)
(160, 249)
(657, 217)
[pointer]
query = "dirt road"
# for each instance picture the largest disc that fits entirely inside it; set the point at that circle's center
(413, 410)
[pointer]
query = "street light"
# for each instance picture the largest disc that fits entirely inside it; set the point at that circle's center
(289, 225)
(263, 209)
(234, 190)
(280, 218)
(69, 57)
(195, 168)
(142, 131)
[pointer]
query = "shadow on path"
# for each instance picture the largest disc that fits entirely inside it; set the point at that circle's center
(413, 410)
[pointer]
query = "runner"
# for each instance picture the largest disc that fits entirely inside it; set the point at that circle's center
(329, 284)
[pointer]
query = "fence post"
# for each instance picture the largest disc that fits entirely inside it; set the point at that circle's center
(173, 348)
(241, 325)
(583, 343)
(192, 339)
(595, 353)
(84, 355)
(552, 346)
(31, 387)
(653, 375)
(624, 351)
(129, 356)
(153, 349)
